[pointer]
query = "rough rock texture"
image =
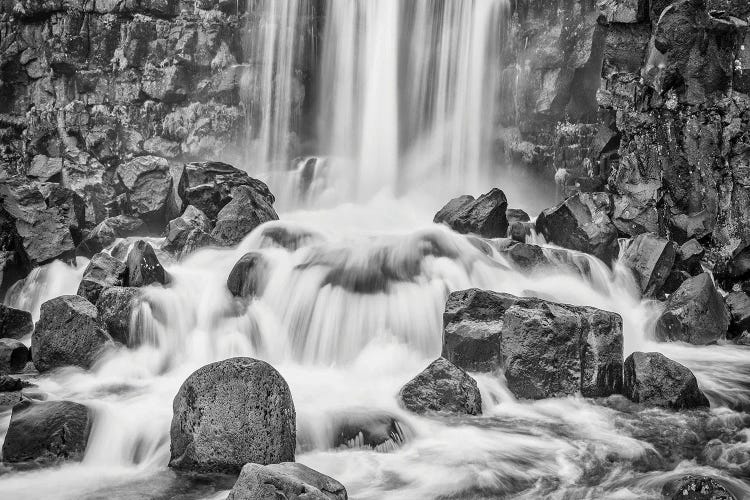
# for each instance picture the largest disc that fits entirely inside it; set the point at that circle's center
(288, 480)
(186, 232)
(148, 189)
(230, 413)
(653, 379)
(143, 267)
(651, 258)
(13, 356)
(116, 306)
(693, 487)
(106, 232)
(368, 428)
(442, 387)
(15, 323)
(249, 276)
(47, 432)
(68, 333)
(738, 304)
(248, 209)
(695, 313)
(103, 271)
(484, 216)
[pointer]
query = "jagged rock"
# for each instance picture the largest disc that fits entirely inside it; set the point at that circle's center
(695, 313)
(249, 276)
(84, 174)
(15, 323)
(13, 356)
(632, 216)
(368, 428)
(442, 387)
(516, 215)
(243, 400)
(187, 232)
(522, 255)
(12, 384)
(45, 168)
(148, 185)
(653, 379)
(144, 267)
(288, 480)
(738, 304)
(47, 432)
(693, 487)
(651, 259)
(675, 279)
(104, 271)
(689, 255)
(68, 333)
(107, 231)
(116, 306)
(484, 216)
(247, 210)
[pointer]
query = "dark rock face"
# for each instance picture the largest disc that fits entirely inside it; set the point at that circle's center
(738, 304)
(368, 428)
(249, 276)
(188, 232)
(484, 216)
(102, 272)
(248, 209)
(695, 313)
(116, 306)
(651, 259)
(442, 387)
(522, 255)
(653, 379)
(106, 232)
(692, 487)
(230, 413)
(15, 323)
(47, 432)
(13, 356)
(68, 333)
(148, 186)
(288, 480)
(143, 267)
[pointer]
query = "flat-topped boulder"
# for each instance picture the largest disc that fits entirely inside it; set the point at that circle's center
(484, 216)
(653, 379)
(287, 480)
(442, 387)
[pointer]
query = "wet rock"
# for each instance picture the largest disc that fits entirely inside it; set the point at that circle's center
(11, 384)
(516, 215)
(103, 271)
(148, 185)
(524, 256)
(653, 379)
(693, 487)
(15, 323)
(230, 413)
(442, 387)
(144, 267)
(368, 428)
(47, 432)
(651, 259)
(247, 210)
(288, 480)
(107, 231)
(116, 306)
(695, 313)
(675, 279)
(188, 232)
(743, 339)
(249, 276)
(484, 216)
(689, 256)
(68, 333)
(738, 304)
(13, 356)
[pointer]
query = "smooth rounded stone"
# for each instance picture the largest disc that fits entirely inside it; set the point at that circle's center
(47, 432)
(144, 267)
(13, 356)
(68, 333)
(239, 217)
(148, 185)
(103, 271)
(738, 304)
(653, 379)
(442, 387)
(230, 413)
(116, 306)
(651, 259)
(181, 229)
(694, 487)
(15, 323)
(287, 480)
(368, 428)
(107, 231)
(695, 313)
(484, 216)
(249, 276)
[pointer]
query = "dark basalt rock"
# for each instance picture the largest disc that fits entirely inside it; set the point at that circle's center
(247, 210)
(689, 256)
(695, 313)
(187, 232)
(15, 323)
(116, 306)
(249, 276)
(522, 255)
(47, 432)
(694, 487)
(230, 413)
(13, 356)
(516, 215)
(653, 379)
(144, 267)
(368, 428)
(148, 185)
(11, 384)
(442, 387)
(104, 271)
(738, 304)
(68, 333)
(484, 216)
(288, 480)
(651, 259)
(107, 231)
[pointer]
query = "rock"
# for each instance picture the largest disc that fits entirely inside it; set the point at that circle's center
(288, 480)
(45, 168)
(581, 223)
(689, 256)
(11, 384)
(743, 339)
(249, 276)
(695, 313)
(524, 256)
(68, 333)
(102, 272)
(442, 387)
(148, 185)
(516, 215)
(484, 216)
(116, 306)
(520, 231)
(652, 379)
(187, 227)
(13, 356)
(651, 259)
(247, 210)
(692, 487)
(107, 231)
(738, 304)
(15, 323)
(144, 267)
(368, 428)
(47, 432)
(230, 413)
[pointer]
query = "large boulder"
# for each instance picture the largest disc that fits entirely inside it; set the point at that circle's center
(653, 379)
(230, 413)
(15, 323)
(694, 487)
(287, 480)
(13, 356)
(47, 432)
(187, 232)
(148, 185)
(68, 333)
(116, 306)
(103, 271)
(651, 258)
(143, 267)
(106, 232)
(695, 313)
(484, 216)
(247, 210)
(442, 387)
(249, 276)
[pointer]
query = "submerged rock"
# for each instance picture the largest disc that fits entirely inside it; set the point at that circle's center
(107, 231)
(13, 356)
(247, 210)
(288, 480)
(368, 428)
(104, 271)
(249, 276)
(230, 413)
(442, 387)
(144, 267)
(653, 379)
(651, 258)
(693, 487)
(116, 306)
(484, 216)
(15, 323)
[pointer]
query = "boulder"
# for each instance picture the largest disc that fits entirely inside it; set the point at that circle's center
(522, 255)
(103, 271)
(107, 231)
(652, 379)
(738, 304)
(247, 210)
(249, 276)
(516, 215)
(144, 267)
(47, 432)
(693, 487)
(287, 480)
(231, 413)
(695, 313)
(13, 356)
(116, 306)
(184, 233)
(15, 323)
(689, 256)
(651, 258)
(68, 333)
(520, 231)
(148, 185)
(484, 216)
(442, 387)
(582, 223)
